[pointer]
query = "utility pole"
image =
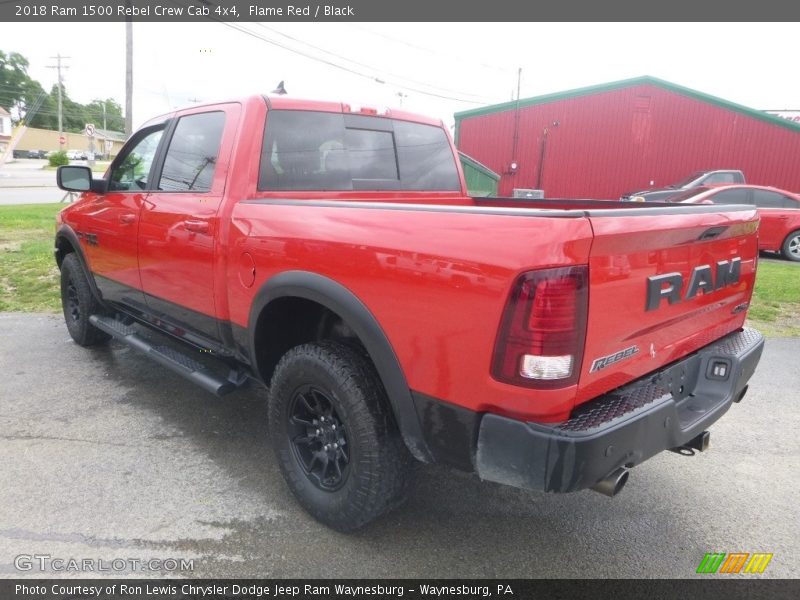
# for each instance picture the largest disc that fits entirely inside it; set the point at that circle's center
(128, 74)
(514, 157)
(59, 66)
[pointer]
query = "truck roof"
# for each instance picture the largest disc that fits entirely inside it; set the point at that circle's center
(290, 103)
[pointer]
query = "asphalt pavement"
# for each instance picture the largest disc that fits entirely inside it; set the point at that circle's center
(24, 181)
(107, 456)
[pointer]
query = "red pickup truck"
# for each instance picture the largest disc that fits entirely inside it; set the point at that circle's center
(331, 252)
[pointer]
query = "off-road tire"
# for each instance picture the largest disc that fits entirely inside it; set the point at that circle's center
(79, 303)
(374, 479)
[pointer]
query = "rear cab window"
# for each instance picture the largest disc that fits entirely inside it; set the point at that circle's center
(319, 151)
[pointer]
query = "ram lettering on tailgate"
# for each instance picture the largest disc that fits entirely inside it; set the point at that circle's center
(670, 285)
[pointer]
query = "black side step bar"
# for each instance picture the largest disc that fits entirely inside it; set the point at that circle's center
(172, 359)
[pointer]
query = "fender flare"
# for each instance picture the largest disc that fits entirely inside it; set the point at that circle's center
(340, 300)
(65, 232)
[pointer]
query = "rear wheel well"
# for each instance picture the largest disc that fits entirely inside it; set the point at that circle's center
(290, 321)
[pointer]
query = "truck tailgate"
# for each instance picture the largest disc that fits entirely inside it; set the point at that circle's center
(663, 283)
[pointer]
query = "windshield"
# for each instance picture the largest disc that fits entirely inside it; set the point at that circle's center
(686, 194)
(688, 180)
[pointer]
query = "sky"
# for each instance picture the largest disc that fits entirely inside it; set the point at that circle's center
(430, 68)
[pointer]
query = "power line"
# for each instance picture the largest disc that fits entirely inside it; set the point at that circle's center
(432, 51)
(355, 62)
(344, 68)
(322, 60)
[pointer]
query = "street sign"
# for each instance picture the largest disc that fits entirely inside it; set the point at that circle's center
(89, 130)
(62, 140)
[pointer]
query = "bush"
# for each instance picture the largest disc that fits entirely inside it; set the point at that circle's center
(58, 159)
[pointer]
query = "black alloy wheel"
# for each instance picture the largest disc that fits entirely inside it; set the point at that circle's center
(79, 303)
(318, 438)
(334, 434)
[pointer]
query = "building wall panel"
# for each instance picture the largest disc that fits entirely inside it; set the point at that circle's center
(603, 144)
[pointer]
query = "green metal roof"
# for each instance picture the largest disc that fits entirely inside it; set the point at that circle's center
(625, 83)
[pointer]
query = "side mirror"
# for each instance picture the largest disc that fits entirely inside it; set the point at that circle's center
(74, 178)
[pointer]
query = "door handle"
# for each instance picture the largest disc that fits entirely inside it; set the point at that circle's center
(196, 226)
(127, 218)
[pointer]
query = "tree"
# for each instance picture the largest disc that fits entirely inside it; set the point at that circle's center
(14, 82)
(114, 119)
(27, 101)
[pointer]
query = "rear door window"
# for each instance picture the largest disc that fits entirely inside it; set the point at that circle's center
(790, 203)
(316, 151)
(767, 199)
(732, 196)
(192, 153)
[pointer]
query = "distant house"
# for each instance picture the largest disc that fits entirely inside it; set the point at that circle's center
(5, 129)
(106, 143)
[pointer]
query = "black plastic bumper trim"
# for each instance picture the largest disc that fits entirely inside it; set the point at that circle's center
(622, 428)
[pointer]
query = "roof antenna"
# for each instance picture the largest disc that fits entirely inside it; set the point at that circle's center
(280, 90)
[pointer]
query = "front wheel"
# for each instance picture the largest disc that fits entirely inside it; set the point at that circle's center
(334, 436)
(791, 246)
(79, 304)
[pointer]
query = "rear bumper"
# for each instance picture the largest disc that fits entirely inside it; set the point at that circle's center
(622, 428)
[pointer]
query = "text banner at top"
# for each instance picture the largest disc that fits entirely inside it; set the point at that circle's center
(397, 11)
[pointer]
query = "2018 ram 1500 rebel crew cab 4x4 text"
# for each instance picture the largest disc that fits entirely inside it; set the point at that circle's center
(333, 254)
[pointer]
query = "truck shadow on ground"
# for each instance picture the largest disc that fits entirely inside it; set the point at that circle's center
(452, 525)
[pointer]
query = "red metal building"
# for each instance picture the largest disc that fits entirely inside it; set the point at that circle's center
(602, 141)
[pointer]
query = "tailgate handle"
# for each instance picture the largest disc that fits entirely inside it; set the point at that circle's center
(710, 234)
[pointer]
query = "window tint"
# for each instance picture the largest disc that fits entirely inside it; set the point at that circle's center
(733, 196)
(371, 154)
(766, 199)
(132, 168)
(790, 203)
(306, 150)
(687, 194)
(426, 160)
(192, 153)
(720, 178)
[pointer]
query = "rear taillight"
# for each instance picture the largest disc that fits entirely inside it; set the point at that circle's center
(542, 333)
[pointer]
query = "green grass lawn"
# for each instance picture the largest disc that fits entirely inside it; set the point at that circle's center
(775, 309)
(29, 276)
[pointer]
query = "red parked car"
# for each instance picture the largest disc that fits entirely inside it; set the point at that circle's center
(779, 211)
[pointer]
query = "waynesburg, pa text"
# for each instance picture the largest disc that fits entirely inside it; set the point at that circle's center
(259, 591)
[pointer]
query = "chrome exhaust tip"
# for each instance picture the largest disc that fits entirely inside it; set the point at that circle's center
(612, 484)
